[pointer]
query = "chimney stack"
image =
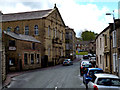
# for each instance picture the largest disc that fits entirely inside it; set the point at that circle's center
(1, 13)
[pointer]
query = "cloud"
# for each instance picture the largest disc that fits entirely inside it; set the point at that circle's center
(77, 16)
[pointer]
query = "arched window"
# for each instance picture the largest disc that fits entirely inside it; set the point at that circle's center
(48, 31)
(8, 29)
(26, 30)
(17, 28)
(36, 29)
(55, 32)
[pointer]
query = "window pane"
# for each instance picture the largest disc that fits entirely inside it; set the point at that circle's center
(8, 29)
(26, 30)
(11, 42)
(36, 29)
(25, 58)
(38, 58)
(17, 28)
(32, 58)
(11, 61)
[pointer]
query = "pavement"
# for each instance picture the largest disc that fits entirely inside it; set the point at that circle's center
(14, 74)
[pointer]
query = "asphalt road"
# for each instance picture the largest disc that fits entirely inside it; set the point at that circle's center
(55, 77)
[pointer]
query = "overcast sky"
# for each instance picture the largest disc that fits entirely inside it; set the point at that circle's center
(76, 14)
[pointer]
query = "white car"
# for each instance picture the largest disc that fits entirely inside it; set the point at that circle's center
(104, 81)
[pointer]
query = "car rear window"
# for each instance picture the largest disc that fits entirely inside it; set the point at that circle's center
(86, 62)
(108, 82)
(92, 72)
(66, 60)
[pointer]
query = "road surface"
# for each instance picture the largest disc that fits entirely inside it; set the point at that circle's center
(54, 77)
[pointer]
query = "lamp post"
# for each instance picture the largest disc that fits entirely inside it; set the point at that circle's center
(114, 41)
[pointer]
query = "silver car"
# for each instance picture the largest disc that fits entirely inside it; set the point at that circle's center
(104, 81)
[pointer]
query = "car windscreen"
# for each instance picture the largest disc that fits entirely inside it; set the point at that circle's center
(108, 81)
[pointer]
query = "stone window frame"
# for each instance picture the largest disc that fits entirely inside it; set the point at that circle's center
(49, 33)
(8, 29)
(55, 33)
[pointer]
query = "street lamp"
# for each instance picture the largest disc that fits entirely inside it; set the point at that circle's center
(114, 41)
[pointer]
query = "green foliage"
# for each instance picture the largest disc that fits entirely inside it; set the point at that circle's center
(82, 53)
(88, 35)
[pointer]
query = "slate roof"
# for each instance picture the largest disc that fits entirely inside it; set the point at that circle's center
(82, 42)
(22, 37)
(26, 15)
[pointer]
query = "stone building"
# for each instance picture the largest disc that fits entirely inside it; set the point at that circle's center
(82, 46)
(100, 50)
(92, 47)
(70, 40)
(115, 47)
(109, 53)
(22, 52)
(46, 26)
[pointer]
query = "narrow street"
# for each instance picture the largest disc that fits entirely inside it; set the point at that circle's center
(55, 77)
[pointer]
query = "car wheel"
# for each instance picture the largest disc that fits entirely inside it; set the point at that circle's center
(81, 74)
(83, 80)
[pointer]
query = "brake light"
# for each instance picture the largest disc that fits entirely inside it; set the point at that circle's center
(87, 74)
(81, 67)
(95, 87)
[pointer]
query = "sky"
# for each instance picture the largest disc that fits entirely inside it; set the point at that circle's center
(80, 15)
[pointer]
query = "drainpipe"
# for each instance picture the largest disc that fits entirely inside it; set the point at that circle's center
(110, 54)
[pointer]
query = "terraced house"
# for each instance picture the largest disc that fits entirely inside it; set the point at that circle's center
(108, 48)
(33, 39)
(70, 40)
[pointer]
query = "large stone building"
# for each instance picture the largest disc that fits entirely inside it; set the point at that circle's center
(70, 40)
(45, 26)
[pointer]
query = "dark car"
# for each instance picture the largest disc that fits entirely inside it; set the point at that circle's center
(67, 62)
(90, 74)
(83, 66)
(85, 57)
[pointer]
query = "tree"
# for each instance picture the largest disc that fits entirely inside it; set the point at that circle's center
(88, 35)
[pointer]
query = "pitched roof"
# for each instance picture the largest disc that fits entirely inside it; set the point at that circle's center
(22, 37)
(26, 15)
(82, 42)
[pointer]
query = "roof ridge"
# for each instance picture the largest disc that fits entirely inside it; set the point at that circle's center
(27, 12)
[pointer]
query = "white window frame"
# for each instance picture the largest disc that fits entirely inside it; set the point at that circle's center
(114, 38)
(114, 61)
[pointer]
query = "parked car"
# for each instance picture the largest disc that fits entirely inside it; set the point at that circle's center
(92, 58)
(109, 81)
(83, 66)
(67, 62)
(85, 57)
(93, 61)
(89, 74)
